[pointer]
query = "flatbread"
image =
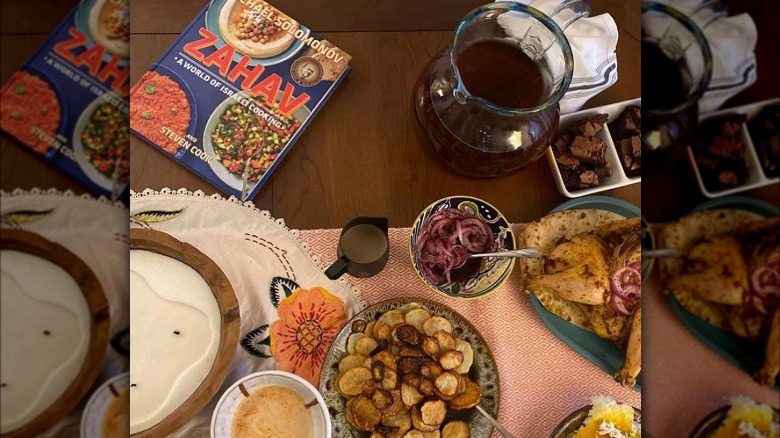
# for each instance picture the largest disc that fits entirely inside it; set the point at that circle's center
(228, 25)
(544, 234)
(575, 313)
(683, 235)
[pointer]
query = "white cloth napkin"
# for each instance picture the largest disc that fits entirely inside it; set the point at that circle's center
(732, 40)
(95, 230)
(593, 42)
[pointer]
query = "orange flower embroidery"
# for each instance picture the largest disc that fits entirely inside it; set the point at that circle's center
(308, 322)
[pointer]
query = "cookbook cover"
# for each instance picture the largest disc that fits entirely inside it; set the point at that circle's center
(68, 102)
(235, 91)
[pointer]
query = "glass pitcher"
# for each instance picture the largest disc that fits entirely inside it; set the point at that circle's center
(677, 58)
(489, 102)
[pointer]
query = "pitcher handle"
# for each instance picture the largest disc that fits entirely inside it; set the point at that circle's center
(573, 10)
(537, 40)
(676, 39)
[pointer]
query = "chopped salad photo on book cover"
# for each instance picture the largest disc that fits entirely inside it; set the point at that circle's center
(235, 91)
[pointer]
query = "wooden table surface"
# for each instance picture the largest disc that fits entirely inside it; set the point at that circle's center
(362, 154)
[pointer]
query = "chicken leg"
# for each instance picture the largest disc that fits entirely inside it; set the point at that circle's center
(628, 373)
(768, 372)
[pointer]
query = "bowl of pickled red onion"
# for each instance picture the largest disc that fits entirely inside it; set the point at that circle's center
(447, 232)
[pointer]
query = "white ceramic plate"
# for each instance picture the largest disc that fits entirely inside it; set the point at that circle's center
(757, 177)
(78, 148)
(222, 419)
(92, 417)
(618, 177)
(231, 179)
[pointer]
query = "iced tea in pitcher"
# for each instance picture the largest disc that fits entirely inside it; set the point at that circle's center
(489, 102)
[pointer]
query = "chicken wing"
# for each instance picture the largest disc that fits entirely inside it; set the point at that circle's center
(628, 373)
(768, 372)
(578, 271)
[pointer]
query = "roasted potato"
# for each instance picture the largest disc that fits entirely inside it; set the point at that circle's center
(352, 342)
(426, 387)
(386, 322)
(414, 433)
(396, 407)
(412, 379)
(359, 326)
(350, 383)
(366, 345)
(430, 346)
(436, 323)
(431, 369)
(378, 371)
(410, 395)
(447, 383)
(410, 352)
(417, 318)
(446, 341)
(389, 380)
(407, 365)
(455, 429)
(370, 328)
(468, 356)
(397, 420)
(365, 416)
(406, 334)
(369, 388)
(469, 398)
(386, 358)
(376, 434)
(351, 361)
(408, 307)
(382, 399)
(433, 412)
(434, 434)
(449, 360)
(417, 422)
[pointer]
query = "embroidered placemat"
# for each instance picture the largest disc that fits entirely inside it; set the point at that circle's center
(95, 230)
(285, 299)
(542, 379)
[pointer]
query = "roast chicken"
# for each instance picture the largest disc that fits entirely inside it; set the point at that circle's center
(734, 274)
(581, 270)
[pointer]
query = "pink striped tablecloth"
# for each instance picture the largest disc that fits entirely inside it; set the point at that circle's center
(542, 379)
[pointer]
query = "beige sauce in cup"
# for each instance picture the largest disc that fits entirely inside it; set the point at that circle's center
(116, 419)
(272, 412)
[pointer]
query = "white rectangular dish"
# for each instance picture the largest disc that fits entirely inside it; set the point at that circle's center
(757, 177)
(618, 177)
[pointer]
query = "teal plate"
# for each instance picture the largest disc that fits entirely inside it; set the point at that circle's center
(601, 352)
(746, 355)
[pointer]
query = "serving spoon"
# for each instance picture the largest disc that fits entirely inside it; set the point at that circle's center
(470, 266)
(660, 253)
(501, 429)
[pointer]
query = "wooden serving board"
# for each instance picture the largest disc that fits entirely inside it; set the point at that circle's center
(32, 243)
(165, 244)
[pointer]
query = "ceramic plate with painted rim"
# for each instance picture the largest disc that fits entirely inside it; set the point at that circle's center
(484, 371)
